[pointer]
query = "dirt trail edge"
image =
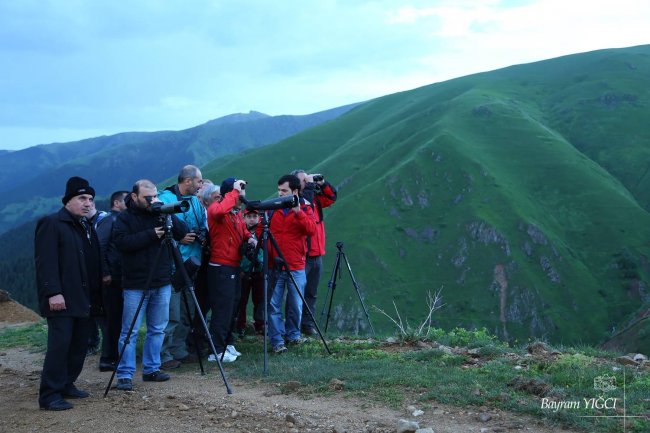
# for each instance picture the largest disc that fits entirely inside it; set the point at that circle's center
(190, 402)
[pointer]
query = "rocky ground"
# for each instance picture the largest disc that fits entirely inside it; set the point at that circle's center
(194, 403)
(190, 402)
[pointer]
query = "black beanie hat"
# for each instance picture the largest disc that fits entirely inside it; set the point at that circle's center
(227, 185)
(76, 186)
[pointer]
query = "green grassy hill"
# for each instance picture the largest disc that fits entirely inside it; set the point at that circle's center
(521, 192)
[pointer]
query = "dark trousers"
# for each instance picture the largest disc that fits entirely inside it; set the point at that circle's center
(111, 323)
(255, 286)
(201, 293)
(223, 296)
(67, 342)
(313, 270)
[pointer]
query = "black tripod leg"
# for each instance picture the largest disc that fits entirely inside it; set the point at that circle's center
(331, 287)
(295, 286)
(127, 340)
(193, 331)
(187, 283)
(356, 287)
(137, 312)
(207, 332)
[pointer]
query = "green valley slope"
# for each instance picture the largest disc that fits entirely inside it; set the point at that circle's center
(521, 192)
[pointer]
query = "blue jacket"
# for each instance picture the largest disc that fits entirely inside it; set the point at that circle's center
(195, 220)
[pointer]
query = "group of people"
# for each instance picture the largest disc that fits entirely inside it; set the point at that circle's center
(101, 266)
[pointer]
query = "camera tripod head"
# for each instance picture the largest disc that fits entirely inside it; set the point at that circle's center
(339, 245)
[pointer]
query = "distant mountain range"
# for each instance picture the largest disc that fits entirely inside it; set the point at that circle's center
(523, 193)
(116, 161)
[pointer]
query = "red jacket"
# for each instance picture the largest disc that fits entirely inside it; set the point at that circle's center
(290, 230)
(321, 200)
(227, 231)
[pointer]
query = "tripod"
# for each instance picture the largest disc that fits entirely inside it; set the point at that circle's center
(331, 287)
(169, 243)
(264, 243)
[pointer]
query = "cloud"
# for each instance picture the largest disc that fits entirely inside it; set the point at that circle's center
(151, 64)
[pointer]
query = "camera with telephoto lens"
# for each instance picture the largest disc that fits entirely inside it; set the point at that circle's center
(318, 178)
(160, 208)
(201, 235)
(248, 250)
(286, 202)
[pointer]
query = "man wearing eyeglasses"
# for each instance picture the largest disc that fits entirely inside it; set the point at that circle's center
(146, 271)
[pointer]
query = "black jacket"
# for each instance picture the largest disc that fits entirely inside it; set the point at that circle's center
(60, 251)
(138, 244)
(111, 265)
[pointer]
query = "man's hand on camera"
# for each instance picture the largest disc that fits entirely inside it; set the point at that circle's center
(240, 185)
(252, 241)
(188, 239)
(159, 231)
(296, 209)
(107, 280)
(310, 178)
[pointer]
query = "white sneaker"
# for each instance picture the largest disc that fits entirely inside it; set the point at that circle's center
(227, 357)
(231, 349)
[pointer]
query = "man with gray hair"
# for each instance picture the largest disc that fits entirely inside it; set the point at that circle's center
(190, 180)
(209, 194)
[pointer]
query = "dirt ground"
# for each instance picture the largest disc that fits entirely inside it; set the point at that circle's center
(190, 402)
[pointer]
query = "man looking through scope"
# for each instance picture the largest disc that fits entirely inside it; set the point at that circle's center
(290, 228)
(137, 233)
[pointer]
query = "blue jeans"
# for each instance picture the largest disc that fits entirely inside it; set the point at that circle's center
(290, 327)
(156, 305)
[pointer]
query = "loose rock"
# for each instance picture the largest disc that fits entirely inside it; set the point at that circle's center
(406, 426)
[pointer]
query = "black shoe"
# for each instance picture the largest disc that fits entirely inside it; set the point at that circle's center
(308, 330)
(107, 366)
(74, 392)
(59, 404)
(156, 376)
(124, 384)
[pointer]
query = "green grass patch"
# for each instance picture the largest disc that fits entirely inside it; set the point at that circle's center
(33, 337)
(505, 378)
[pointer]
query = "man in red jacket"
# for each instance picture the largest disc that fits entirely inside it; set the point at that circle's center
(319, 194)
(228, 232)
(290, 228)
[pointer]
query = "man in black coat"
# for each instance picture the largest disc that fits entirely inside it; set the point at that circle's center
(112, 284)
(68, 278)
(146, 275)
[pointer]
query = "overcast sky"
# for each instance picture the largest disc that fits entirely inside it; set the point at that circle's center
(72, 69)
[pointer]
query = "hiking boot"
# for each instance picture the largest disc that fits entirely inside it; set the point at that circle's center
(279, 349)
(124, 384)
(295, 342)
(170, 365)
(156, 376)
(227, 357)
(231, 349)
